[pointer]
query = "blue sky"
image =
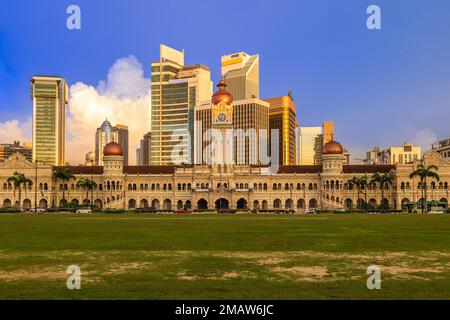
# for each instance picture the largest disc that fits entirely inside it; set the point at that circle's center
(380, 87)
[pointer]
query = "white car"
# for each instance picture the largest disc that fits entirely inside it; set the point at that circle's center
(84, 210)
(312, 211)
(37, 210)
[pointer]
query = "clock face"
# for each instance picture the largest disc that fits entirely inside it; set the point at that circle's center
(222, 117)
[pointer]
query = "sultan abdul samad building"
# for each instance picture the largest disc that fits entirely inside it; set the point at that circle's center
(231, 186)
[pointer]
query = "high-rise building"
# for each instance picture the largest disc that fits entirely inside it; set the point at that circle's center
(328, 131)
(251, 117)
(372, 156)
(143, 152)
(50, 96)
(310, 141)
(8, 149)
(241, 74)
(122, 134)
(282, 117)
(246, 120)
(105, 134)
(176, 91)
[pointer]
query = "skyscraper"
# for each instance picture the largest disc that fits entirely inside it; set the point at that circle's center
(50, 95)
(176, 91)
(122, 133)
(310, 141)
(251, 117)
(105, 134)
(241, 74)
(282, 117)
(143, 152)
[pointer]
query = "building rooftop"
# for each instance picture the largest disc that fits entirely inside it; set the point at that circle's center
(362, 168)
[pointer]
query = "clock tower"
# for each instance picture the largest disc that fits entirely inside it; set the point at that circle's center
(222, 123)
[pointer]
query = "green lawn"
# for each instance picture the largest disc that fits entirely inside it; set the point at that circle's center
(225, 257)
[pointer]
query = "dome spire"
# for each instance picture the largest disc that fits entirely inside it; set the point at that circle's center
(222, 95)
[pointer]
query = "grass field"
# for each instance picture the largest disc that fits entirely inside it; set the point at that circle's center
(225, 257)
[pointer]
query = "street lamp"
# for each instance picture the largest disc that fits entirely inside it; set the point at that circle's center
(35, 185)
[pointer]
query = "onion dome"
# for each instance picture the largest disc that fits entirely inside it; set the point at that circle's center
(113, 149)
(222, 95)
(332, 147)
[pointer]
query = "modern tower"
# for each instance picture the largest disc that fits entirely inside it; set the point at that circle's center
(105, 134)
(143, 152)
(122, 134)
(310, 142)
(241, 74)
(176, 91)
(282, 117)
(50, 96)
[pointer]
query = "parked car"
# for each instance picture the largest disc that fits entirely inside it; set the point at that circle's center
(37, 210)
(84, 210)
(311, 211)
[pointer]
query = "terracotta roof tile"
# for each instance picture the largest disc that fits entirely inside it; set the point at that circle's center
(367, 168)
(149, 169)
(300, 169)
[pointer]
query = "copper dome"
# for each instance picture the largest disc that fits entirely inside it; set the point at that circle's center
(113, 149)
(222, 95)
(332, 147)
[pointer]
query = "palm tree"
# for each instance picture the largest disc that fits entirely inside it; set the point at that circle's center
(65, 175)
(18, 179)
(383, 179)
(423, 172)
(360, 183)
(87, 184)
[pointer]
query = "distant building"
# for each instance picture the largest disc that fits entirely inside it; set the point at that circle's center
(373, 156)
(310, 141)
(176, 91)
(240, 71)
(50, 96)
(105, 134)
(122, 133)
(405, 154)
(8, 149)
(143, 152)
(89, 159)
(282, 117)
(443, 147)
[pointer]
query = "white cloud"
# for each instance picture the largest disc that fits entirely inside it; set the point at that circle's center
(424, 138)
(14, 130)
(124, 99)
